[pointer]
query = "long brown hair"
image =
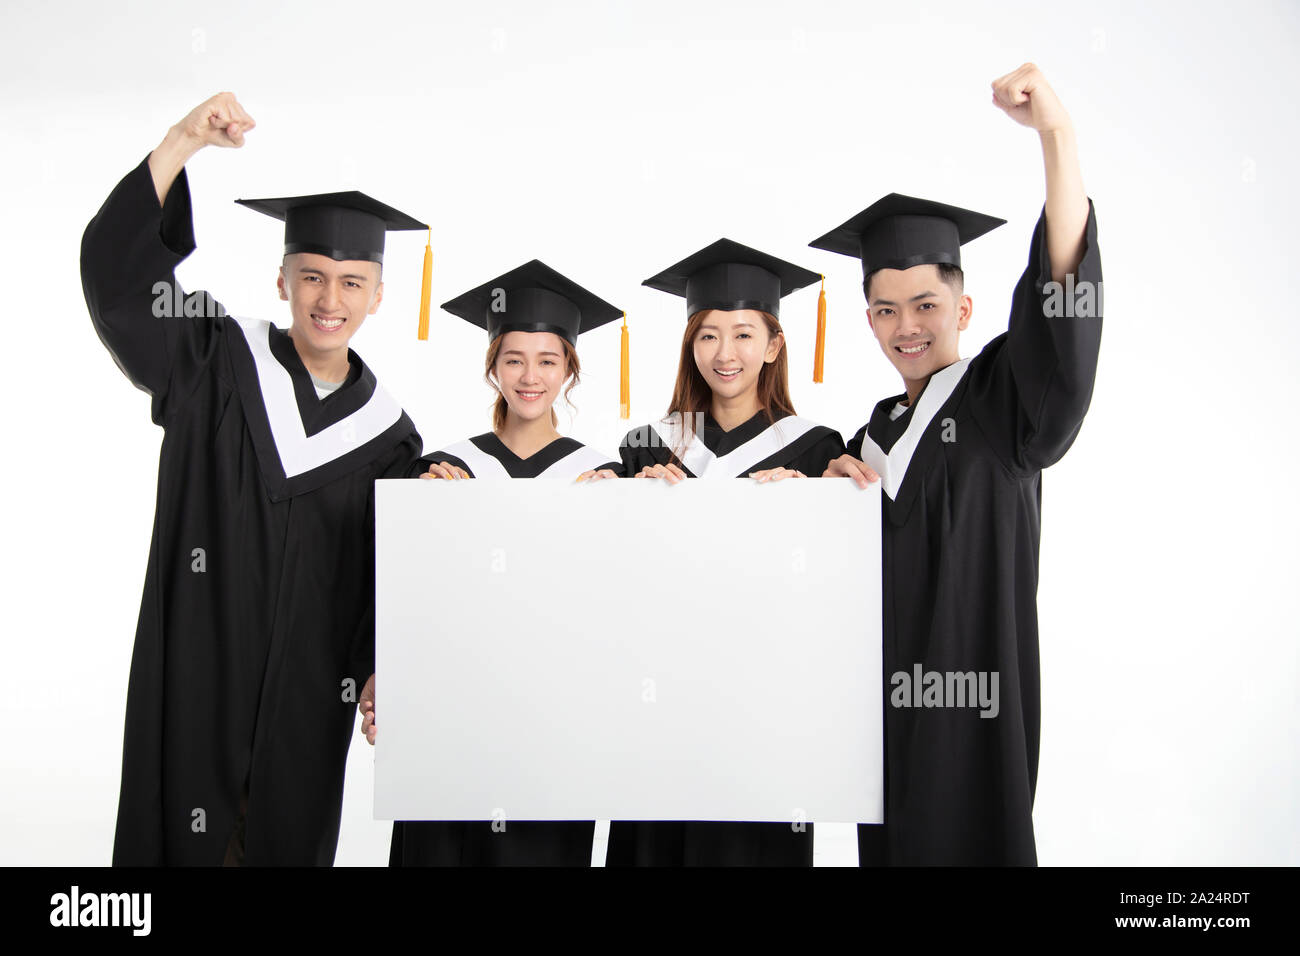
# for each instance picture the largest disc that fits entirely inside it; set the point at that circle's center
(500, 407)
(692, 394)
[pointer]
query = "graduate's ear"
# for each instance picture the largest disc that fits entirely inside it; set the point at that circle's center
(379, 297)
(774, 345)
(965, 307)
(871, 322)
(280, 281)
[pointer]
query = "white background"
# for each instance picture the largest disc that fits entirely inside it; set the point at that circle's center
(610, 141)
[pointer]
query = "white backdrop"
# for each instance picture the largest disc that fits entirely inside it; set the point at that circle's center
(611, 140)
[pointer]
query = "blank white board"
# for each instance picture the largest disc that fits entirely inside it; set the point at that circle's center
(628, 650)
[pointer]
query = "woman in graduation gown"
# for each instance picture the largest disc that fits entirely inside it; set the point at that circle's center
(730, 417)
(533, 316)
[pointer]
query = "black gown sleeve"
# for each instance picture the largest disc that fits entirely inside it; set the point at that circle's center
(161, 339)
(1031, 387)
(638, 449)
(854, 446)
(826, 449)
(421, 465)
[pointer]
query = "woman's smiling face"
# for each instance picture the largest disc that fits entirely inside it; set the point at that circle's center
(731, 348)
(531, 369)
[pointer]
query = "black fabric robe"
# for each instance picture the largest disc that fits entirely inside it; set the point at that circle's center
(752, 446)
(527, 842)
(258, 597)
(960, 574)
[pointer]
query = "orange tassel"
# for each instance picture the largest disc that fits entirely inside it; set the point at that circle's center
(624, 379)
(425, 290)
(819, 359)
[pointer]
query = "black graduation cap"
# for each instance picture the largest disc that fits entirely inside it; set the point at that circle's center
(533, 298)
(343, 226)
(898, 232)
(729, 276)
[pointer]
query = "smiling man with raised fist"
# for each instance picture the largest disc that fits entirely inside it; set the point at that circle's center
(960, 456)
(256, 631)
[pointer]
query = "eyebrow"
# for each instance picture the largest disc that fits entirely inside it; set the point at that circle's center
(520, 352)
(920, 295)
(349, 275)
(738, 325)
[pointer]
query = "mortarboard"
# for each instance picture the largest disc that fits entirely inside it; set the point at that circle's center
(344, 226)
(898, 232)
(533, 298)
(727, 275)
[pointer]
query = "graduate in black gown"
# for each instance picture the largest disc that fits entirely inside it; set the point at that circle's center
(730, 417)
(533, 316)
(960, 456)
(256, 625)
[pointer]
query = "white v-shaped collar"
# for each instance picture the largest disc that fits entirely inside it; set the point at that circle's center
(481, 464)
(738, 462)
(892, 467)
(486, 466)
(298, 451)
(576, 462)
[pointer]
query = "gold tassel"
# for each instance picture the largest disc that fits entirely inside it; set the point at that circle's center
(425, 290)
(624, 377)
(819, 359)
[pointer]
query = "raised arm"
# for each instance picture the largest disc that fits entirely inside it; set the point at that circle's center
(218, 121)
(159, 337)
(1033, 386)
(1024, 95)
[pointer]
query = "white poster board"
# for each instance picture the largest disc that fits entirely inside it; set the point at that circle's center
(628, 650)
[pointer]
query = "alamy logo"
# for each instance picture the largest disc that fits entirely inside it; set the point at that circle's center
(646, 436)
(1082, 300)
(101, 909)
(946, 689)
(169, 302)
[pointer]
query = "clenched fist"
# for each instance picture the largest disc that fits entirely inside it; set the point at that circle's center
(217, 121)
(1024, 95)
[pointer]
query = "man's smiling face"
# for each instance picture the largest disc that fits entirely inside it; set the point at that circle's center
(328, 299)
(916, 316)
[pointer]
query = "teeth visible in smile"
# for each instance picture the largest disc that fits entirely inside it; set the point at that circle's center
(731, 373)
(530, 394)
(913, 349)
(328, 324)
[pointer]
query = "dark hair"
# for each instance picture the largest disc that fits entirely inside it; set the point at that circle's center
(284, 262)
(949, 274)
